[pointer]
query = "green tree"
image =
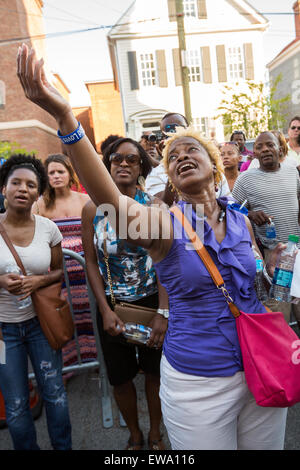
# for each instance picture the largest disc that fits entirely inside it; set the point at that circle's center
(252, 107)
(9, 148)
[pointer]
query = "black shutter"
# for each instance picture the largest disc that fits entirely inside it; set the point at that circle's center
(133, 70)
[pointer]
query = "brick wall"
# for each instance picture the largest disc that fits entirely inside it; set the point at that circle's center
(15, 22)
(83, 115)
(107, 115)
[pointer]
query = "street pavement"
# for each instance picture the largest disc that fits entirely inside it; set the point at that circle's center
(88, 432)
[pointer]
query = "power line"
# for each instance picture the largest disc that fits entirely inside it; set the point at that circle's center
(96, 28)
(4, 42)
(70, 14)
(41, 16)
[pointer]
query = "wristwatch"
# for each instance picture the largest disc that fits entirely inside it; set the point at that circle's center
(163, 311)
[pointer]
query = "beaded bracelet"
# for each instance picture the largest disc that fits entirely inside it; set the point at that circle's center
(73, 137)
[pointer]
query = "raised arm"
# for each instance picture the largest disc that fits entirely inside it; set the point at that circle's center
(86, 161)
(89, 167)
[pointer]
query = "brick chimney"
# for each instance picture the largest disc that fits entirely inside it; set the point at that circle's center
(296, 8)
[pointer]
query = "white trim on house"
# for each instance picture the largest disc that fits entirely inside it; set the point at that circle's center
(27, 124)
(236, 24)
(285, 55)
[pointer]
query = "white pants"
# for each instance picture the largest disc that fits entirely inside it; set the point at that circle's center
(217, 413)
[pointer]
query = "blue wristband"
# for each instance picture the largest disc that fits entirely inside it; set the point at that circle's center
(73, 137)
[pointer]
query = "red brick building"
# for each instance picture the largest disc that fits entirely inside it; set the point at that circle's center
(20, 120)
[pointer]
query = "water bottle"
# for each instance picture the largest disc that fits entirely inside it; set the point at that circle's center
(137, 333)
(283, 274)
(259, 285)
(20, 304)
(271, 235)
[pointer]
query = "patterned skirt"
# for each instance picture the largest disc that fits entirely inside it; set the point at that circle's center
(71, 231)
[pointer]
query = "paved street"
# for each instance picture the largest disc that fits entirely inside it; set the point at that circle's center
(85, 410)
(88, 432)
(87, 429)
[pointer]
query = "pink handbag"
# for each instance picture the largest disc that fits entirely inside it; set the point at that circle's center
(270, 347)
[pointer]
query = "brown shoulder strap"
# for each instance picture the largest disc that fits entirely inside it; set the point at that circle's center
(12, 248)
(206, 258)
(199, 247)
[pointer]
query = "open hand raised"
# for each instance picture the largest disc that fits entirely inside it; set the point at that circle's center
(37, 89)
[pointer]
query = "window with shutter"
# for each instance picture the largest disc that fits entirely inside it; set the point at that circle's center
(202, 10)
(236, 65)
(133, 71)
(190, 8)
(172, 10)
(161, 69)
(177, 67)
(194, 63)
(249, 64)
(221, 62)
(206, 64)
(147, 69)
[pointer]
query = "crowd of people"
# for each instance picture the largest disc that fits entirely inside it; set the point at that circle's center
(192, 363)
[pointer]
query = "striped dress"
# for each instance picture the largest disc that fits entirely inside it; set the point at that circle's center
(71, 231)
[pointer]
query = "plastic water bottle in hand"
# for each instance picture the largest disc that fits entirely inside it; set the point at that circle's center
(283, 274)
(21, 304)
(271, 234)
(137, 333)
(260, 289)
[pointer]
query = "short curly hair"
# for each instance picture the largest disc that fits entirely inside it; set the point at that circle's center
(20, 160)
(208, 145)
(146, 165)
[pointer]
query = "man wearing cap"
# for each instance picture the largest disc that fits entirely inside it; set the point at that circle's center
(156, 182)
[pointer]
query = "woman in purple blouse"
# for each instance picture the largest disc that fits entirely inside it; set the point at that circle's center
(206, 403)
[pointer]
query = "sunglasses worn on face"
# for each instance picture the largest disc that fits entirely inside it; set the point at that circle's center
(130, 159)
(295, 127)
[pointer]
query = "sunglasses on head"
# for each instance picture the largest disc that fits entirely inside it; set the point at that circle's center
(130, 159)
(295, 127)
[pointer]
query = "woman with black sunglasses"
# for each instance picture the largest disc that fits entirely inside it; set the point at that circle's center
(133, 280)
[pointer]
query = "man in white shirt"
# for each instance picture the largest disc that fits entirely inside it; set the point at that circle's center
(294, 139)
(156, 181)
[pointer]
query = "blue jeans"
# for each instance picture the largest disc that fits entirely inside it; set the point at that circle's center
(22, 340)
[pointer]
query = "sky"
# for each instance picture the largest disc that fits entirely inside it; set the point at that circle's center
(83, 57)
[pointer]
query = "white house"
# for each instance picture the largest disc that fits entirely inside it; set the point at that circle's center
(224, 42)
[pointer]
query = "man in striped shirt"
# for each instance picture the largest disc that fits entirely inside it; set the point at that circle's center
(271, 191)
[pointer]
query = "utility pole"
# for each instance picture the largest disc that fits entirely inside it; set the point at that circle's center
(183, 65)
